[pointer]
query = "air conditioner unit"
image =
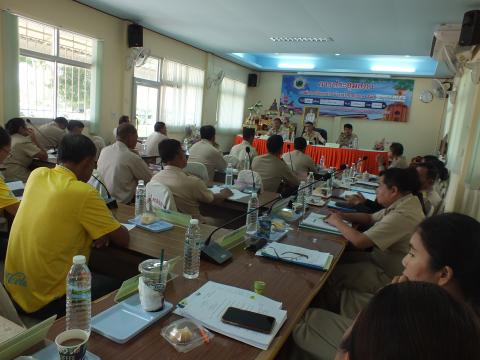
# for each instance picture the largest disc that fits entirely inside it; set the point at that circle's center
(446, 35)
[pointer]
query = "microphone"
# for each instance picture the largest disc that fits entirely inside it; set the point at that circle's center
(43, 135)
(290, 155)
(249, 191)
(111, 202)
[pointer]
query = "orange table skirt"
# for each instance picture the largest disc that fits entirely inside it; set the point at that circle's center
(334, 157)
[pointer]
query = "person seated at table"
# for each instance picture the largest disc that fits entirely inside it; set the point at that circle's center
(121, 167)
(312, 136)
(347, 137)
(239, 150)
(24, 148)
(418, 319)
(75, 127)
(124, 119)
(188, 191)
(272, 169)
(427, 173)
(395, 158)
(206, 152)
(297, 160)
(361, 204)
(60, 216)
(276, 128)
(49, 135)
(159, 134)
(288, 127)
(441, 184)
(444, 250)
(388, 235)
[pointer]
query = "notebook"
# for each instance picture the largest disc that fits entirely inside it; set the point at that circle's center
(316, 222)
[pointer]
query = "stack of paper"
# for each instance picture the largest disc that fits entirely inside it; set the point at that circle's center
(208, 304)
(366, 195)
(363, 190)
(297, 255)
(316, 222)
(237, 194)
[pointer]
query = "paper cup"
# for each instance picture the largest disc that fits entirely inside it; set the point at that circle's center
(75, 351)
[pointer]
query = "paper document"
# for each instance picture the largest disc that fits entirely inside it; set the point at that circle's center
(297, 255)
(366, 195)
(363, 190)
(237, 194)
(16, 187)
(316, 222)
(208, 304)
(368, 183)
(129, 227)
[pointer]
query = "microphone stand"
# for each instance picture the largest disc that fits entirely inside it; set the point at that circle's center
(253, 189)
(43, 135)
(111, 202)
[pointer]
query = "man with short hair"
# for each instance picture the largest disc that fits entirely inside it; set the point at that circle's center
(188, 191)
(395, 158)
(159, 134)
(277, 128)
(75, 127)
(60, 216)
(50, 135)
(206, 153)
(347, 137)
(427, 173)
(124, 119)
(312, 136)
(297, 160)
(271, 168)
(239, 150)
(121, 167)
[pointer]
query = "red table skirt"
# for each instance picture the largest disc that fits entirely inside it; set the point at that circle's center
(334, 157)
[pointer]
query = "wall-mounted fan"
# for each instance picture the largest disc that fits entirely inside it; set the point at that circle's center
(215, 80)
(138, 56)
(441, 88)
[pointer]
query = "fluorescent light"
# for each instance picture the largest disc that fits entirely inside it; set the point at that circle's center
(300, 39)
(304, 66)
(338, 54)
(393, 68)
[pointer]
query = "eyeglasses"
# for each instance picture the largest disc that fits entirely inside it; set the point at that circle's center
(288, 255)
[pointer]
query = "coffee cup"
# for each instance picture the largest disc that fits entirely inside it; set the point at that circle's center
(72, 344)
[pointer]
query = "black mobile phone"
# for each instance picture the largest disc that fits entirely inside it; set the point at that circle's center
(249, 320)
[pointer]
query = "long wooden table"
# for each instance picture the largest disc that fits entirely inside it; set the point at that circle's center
(333, 156)
(293, 285)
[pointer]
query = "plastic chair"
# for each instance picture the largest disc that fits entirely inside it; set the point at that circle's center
(245, 178)
(162, 197)
(197, 169)
(230, 159)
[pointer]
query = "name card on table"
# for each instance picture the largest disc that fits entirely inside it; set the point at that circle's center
(233, 238)
(173, 217)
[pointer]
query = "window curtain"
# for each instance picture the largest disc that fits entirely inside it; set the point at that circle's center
(96, 87)
(10, 53)
(181, 95)
(231, 105)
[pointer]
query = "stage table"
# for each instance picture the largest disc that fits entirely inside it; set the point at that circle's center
(333, 156)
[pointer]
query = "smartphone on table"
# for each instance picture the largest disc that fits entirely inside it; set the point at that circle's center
(249, 320)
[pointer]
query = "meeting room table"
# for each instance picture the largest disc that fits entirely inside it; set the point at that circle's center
(293, 285)
(334, 157)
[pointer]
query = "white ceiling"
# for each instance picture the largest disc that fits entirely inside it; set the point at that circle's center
(358, 27)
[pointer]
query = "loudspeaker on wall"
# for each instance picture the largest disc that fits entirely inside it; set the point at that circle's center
(252, 80)
(135, 35)
(470, 33)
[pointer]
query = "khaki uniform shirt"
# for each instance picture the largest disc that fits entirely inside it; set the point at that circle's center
(22, 153)
(282, 131)
(49, 135)
(152, 143)
(121, 169)
(300, 162)
(188, 191)
(346, 141)
(272, 170)
(399, 162)
(204, 152)
(239, 152)
(392, 231)
(310, 137)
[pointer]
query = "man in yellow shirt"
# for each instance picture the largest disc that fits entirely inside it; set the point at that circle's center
(60, 216)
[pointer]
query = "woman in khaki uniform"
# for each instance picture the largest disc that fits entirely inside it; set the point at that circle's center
(445, 250)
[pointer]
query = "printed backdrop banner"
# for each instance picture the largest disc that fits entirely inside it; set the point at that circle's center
(369, 98)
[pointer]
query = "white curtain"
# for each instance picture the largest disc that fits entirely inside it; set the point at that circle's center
(96, 87)
(10, 52)
(181, 95)
(231, 105)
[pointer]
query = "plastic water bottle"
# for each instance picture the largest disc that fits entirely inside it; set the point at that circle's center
(229, 175)
(301, 202)
(322, 162)
(185, 145)
(79, 298)
(310, 181)
(191, 251)
(246, 161)
(355, 143)
(359, 166)
(252, 218)
(140, 198)
(353, 169)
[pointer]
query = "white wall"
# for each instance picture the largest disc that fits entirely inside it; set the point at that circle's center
(419, 135)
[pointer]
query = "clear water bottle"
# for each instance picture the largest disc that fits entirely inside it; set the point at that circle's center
(191, 251)
(246, 161)
(359, 166)
(140, 198)
(229, 175)
(301, 201)
(252, 217)
(355, 143)
(353, 169)
(79, 298)
(186, 145)
(310, 181)
(322, 162)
